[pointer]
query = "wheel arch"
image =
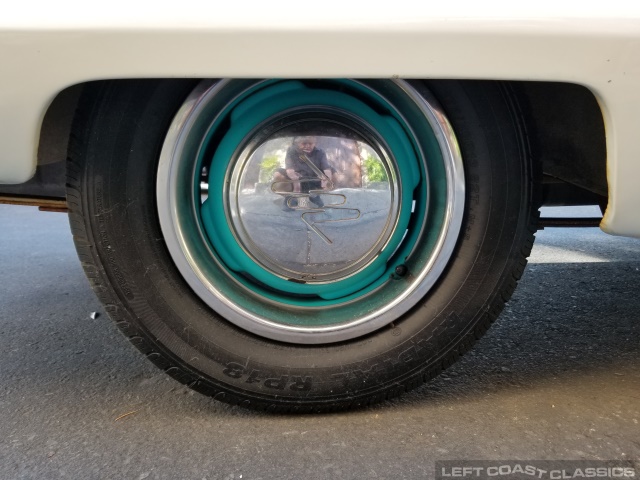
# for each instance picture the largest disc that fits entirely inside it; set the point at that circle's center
(564, 123)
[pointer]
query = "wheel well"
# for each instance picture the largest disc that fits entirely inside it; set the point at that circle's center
(567, 135)
(564, 124)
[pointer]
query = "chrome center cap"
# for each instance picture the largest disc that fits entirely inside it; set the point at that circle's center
(313, 200)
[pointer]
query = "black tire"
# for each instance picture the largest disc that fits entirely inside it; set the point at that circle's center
(117, 138)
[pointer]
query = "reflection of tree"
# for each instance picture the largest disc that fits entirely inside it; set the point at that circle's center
(273, 153)
(252, 171)
(268, 167)
(374, 171)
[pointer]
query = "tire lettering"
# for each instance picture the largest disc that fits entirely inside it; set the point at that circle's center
(297, 384)
(253, 377)
(301, 384)
(276, 383)
(234, 370)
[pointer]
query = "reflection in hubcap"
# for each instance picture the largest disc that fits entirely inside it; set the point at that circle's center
(298, 214)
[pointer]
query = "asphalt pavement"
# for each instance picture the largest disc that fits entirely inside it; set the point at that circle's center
(557, 377)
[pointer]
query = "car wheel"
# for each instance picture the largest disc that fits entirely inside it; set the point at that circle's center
(341, 280)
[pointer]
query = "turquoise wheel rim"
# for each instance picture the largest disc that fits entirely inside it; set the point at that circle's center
(256, 109)
(220, 123)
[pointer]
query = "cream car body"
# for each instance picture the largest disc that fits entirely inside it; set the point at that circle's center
(45, 48)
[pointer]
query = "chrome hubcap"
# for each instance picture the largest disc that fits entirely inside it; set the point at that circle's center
(299, 217)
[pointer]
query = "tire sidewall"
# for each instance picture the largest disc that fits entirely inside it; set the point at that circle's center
(122, 141)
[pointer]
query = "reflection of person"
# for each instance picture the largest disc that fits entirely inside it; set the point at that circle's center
(308, 167)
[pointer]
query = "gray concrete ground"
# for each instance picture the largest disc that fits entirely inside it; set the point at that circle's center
(557, 377)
